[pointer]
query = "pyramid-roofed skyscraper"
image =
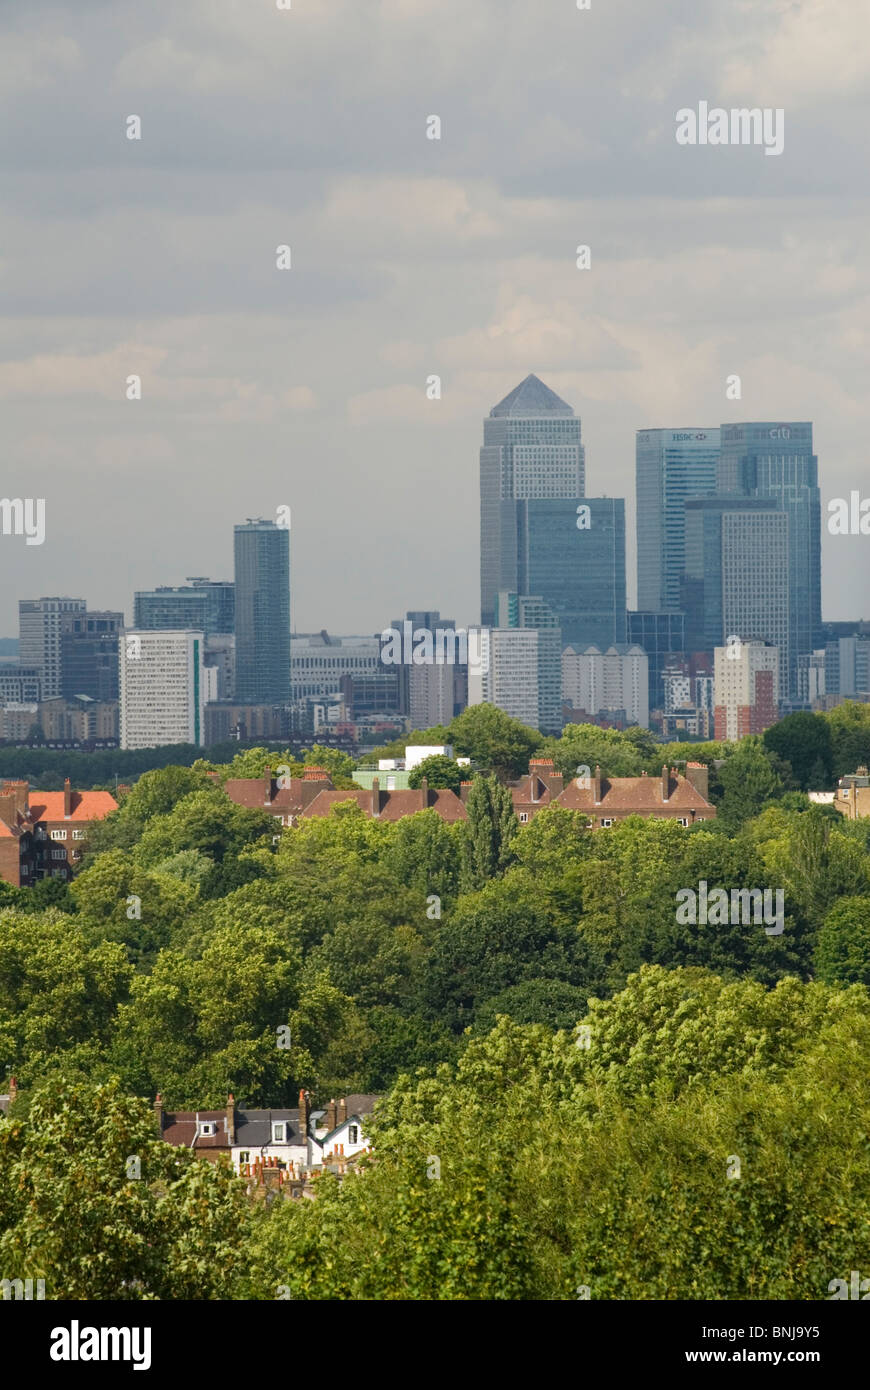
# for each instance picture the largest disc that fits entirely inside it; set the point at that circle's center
(535, 540)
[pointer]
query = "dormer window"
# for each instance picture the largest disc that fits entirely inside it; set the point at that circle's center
(352, 1134)
(279, 1131)
(207, 1129)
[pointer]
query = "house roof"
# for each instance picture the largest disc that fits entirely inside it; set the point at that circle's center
(180, 1127)
(393, 804)
(84, 806)
(292, 798)
(642, 795)
(254, 1127)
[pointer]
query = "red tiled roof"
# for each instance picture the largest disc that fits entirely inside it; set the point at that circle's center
(85, 806)
(642, 795)
(180, 1126)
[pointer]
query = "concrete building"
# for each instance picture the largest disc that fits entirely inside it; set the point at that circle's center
(601, 681)
(318, 661)
(163, 689)
(746, 689)
(40, 625)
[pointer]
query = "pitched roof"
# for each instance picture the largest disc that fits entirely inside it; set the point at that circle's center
(254, 1127)
(291, 798)
(531, 398)
(180, 1127)
(393, 804)
(643, 795)
(85, 806)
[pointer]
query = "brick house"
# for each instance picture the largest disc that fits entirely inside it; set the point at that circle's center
(42, 834)
(607, 800)
(295, 798)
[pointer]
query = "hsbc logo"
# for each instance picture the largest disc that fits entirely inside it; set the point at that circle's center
(682, 438)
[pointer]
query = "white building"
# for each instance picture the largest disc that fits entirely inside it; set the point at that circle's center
(746, 689)
(600, 681)
(416, 752)
(40, 623)
(163, 688)
(519, 672)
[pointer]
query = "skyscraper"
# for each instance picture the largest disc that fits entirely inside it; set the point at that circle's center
(736, 579)
(262, 574)
(531, 449)
(671, 466)
(89, 654)
(776, 460)
(573, 555)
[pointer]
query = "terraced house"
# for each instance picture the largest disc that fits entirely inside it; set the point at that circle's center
(42, 834)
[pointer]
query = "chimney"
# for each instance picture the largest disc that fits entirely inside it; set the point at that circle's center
(331, 1113)
(342, 1111)
(158, 1112)
(376, 799)
(231, 1118)
(304, 1114)
(67, 799)
(596, 786)
(424, 791)
(666, 783)
(464, 789)
(698, 774)
(13, 1091)
(267, 787)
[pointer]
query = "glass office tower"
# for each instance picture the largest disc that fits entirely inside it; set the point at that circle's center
(206, 605)
(573, 555)
(531, 449)
(262, 590)
(670, 466)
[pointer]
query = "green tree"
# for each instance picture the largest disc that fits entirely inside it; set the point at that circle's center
(439, 771)
(492, 828)
(749, 781)
(843, 948)
(71, 1214)
(493, 740)
(803, 740)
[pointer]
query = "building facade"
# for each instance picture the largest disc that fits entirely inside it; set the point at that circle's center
(162, 689)
(746, 689)
(40, 625)
(670, 467)
(262, 613)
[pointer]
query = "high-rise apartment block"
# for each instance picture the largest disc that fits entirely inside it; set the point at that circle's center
(262, 613)
(40, 625)
(602, 682)
(163, 689)
(520, 669)
(746, 689)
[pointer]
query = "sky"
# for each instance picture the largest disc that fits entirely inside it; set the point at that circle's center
(410, 257)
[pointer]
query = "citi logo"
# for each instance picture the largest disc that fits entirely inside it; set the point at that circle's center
(850, 518)
(75, 1343)
(739, 126)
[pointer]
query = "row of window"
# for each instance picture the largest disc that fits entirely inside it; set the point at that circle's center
(61, 834)
(607, 821)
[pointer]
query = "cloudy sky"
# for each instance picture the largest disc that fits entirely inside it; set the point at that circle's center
(410, 257)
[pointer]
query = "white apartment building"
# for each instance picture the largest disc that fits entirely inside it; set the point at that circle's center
(616, 679)
(163, 688)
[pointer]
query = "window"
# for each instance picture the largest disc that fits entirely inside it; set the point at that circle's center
(352, 1134)
(684, 820)
(207, 1128)
(58, 834)
(524, 816)
(78, 835)
(245, 1156)
(58, 854)
(279, 1132)
(607, 823)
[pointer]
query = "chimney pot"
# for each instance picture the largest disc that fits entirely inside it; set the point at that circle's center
(67, 799)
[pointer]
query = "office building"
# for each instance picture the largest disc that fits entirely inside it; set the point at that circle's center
(40, 624)
(319, 661)
(746, 689)
(163, 689)
(847, 667)
(89, 655)
(776, 460)
(670, 467)
(736, 578)
(520, 667)
(262, 613)
(532, 449)
(200, 605)
(573, 555)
